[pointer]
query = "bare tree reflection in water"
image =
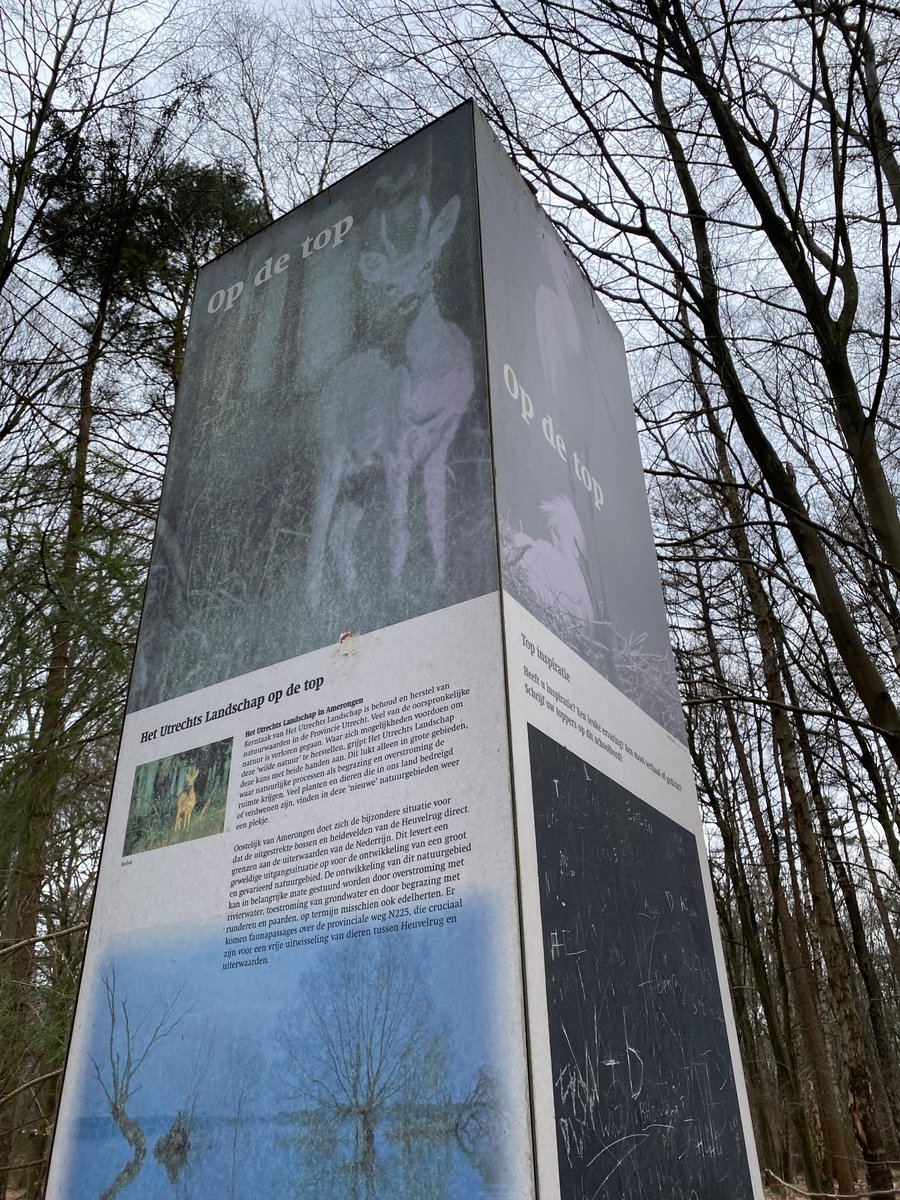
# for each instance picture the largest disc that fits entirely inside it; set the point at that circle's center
(382, 1116)
(436, 1166)
(130, 1042)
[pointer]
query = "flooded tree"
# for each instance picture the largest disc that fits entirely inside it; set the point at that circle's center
(362, 1038)
(128, 1046)
(173, 1149)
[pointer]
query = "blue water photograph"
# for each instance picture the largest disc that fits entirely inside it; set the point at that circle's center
(356, 1070)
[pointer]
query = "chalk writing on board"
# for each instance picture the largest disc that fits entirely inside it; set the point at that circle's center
(644, 1090)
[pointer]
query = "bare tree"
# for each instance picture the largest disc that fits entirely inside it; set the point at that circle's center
(362, 1035)
(61, 66)
(130, 1042)
(729, 178)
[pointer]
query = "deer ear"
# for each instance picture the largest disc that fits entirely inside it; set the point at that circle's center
(443, 224)
(372, 266)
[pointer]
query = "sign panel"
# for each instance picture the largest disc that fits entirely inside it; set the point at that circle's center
(633, 1051)
(330, 467)
(304, 968)
(644, 1090)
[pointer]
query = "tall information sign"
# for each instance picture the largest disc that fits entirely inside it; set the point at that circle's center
(403, 890)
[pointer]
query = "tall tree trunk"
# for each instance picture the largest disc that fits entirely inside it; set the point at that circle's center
(884, 1064)
(866, 1126)
(835, 1156)
(782, 1047)
(761, 1092)
(887, 923)
(861, 667)
(37, 798)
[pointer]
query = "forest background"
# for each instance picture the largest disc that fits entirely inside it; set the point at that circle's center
(729, 176)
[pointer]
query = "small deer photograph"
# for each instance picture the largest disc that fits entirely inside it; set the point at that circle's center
(179, 798)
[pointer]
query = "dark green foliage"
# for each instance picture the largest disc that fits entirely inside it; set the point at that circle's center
(119, 209)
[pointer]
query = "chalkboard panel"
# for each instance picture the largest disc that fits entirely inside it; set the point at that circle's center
(644, 1090)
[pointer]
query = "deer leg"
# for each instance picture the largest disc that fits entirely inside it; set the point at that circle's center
(342, 540)
(326, 497)
(434, 477)
(398, 489)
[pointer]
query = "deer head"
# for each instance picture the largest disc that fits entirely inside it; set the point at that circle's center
(406, 275)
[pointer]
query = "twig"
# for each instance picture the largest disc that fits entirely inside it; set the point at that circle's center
(42, 937)
(867, 1195)
(35, 1162)
(25, 1086)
